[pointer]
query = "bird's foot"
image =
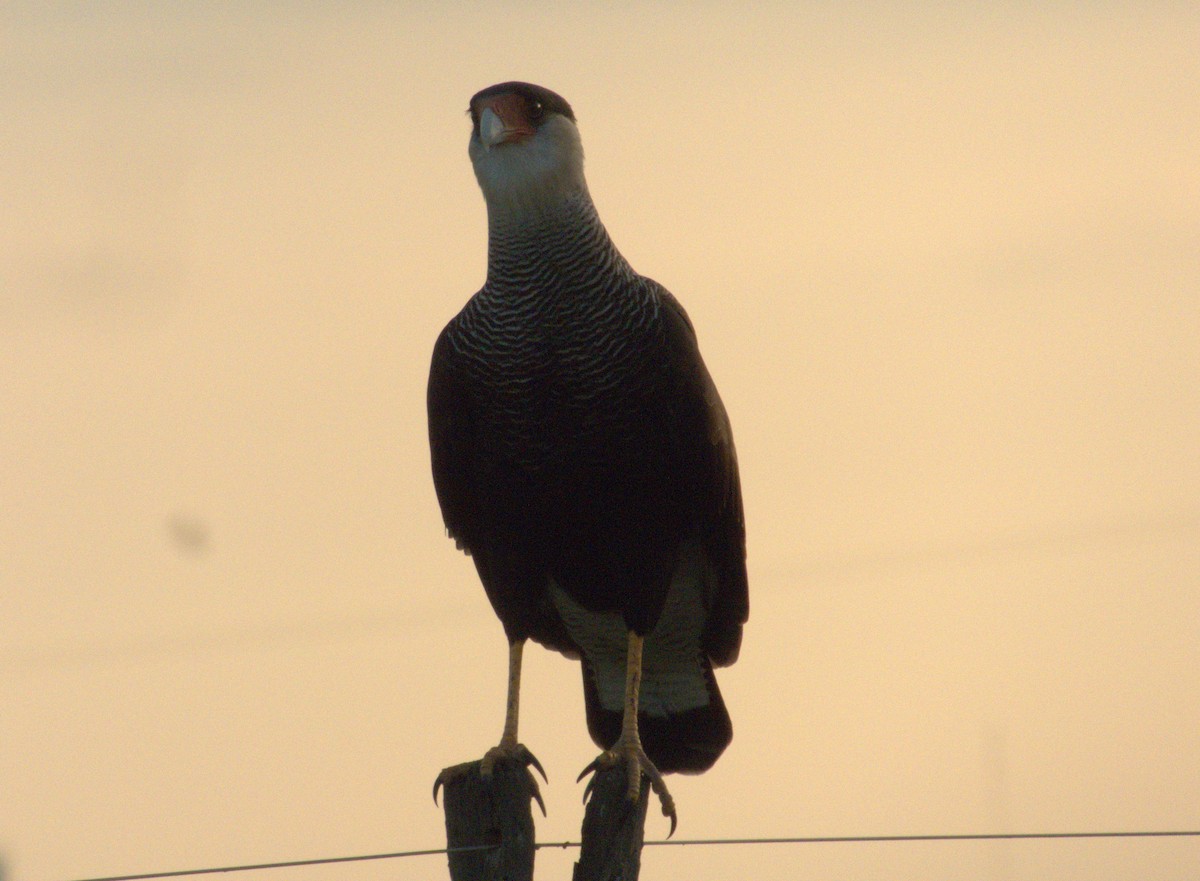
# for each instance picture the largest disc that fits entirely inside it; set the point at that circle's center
(637, 765)
(512, 752)
(505, 752)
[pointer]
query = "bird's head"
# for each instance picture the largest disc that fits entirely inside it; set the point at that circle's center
(525, 147)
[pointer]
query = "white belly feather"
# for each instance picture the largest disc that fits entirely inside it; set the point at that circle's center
(672, 677)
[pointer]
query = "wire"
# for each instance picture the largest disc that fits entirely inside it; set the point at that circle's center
(991, 836)
(844, 839)
(288, 864)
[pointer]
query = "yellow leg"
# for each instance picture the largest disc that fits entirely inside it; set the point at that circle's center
(629, 723)
(509, 747)
(628, 747)
(513, 708)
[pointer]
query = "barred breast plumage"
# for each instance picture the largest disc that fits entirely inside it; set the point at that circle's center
(555, 344)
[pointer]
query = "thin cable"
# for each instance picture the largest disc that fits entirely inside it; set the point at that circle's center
(993, 836)
(844, 839)
(859, 839)
(288, 864)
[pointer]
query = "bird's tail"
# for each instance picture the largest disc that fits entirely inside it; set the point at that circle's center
(685, 742)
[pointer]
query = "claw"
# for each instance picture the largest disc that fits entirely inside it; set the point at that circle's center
(604, 760)
(668, 808)
(530, 759)
(446, 774)
(537, 795)
(638, 765)
(515, 752)
(660, 789)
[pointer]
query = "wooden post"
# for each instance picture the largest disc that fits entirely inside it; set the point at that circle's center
(497, 812)
(613, 828)
(490, 811)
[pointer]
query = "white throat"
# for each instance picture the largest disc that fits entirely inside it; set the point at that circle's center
(539, 175)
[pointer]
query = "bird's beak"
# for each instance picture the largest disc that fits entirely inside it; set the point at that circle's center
(503, 121)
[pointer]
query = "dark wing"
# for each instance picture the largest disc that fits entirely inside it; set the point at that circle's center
(450, 442)
(705, 433)
(515, 585)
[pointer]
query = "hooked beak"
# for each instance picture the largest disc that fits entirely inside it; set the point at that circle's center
(503, 121)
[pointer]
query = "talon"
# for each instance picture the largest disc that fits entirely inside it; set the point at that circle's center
(602, 762)
(537, 796)
(587, 790)
(593, 765)
(524, 755)
(446, 774)
(514, 752)
(668, 807)
(637, 765)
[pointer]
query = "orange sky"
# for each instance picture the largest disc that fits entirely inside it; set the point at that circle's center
(945, 270)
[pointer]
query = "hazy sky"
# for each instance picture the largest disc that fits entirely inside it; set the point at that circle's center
(945, 268)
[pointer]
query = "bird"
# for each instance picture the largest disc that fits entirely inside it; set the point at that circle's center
(583, 458)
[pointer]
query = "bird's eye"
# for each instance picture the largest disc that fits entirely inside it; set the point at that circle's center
(536, 111)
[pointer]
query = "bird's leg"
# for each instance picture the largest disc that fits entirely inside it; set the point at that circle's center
(508, 748)
(628, 747)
